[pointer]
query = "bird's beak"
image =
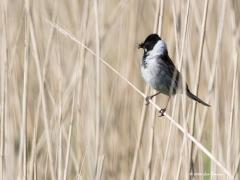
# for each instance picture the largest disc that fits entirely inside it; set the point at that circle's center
(141, 45)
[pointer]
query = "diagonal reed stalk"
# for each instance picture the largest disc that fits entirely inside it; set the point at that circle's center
(177, 125)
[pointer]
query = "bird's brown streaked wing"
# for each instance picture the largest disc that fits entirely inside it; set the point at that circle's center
(175, 74)
(172, 74)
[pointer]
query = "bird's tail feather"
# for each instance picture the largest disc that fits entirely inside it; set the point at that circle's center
(192, 96)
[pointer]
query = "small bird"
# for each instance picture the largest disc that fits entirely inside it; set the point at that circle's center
(159, 71)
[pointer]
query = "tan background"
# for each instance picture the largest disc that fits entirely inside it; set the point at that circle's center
(73, 118)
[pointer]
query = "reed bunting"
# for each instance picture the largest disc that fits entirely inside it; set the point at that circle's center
(159, 71)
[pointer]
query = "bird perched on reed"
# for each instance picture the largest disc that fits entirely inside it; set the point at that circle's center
(159, 71)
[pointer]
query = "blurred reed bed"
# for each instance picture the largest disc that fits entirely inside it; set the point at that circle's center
(66, 115)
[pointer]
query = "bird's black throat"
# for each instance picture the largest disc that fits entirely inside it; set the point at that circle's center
(144, 62)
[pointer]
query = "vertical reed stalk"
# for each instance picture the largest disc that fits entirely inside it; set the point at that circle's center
(199, 63)
(97, 123)
(4, 71)
(25, 92)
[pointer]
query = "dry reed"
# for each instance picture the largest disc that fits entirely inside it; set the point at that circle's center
(72, 97)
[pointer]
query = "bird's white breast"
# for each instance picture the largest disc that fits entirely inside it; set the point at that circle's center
(151, 71)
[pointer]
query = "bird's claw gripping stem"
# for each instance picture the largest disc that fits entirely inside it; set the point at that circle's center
(162, 111)
(147, 100)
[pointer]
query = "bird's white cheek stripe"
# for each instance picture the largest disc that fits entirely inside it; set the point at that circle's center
(159, 49)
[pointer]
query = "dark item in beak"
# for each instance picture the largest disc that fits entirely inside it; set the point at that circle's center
(141, 45)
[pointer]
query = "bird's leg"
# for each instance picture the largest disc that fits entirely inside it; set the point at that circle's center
(150, 97)
(163, 110)
(192, 168)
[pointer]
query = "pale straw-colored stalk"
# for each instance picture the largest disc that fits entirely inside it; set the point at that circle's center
(69, 139)
(25, 92)
(230, 144)
(97, 121)
(158, 29)
(3, 106)
(43, 99)
(199, 133)
(199, 63)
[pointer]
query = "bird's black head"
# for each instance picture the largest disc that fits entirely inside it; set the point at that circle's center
(149, 42)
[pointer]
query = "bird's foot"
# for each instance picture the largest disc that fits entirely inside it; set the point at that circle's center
(161, 112)
(147, 100)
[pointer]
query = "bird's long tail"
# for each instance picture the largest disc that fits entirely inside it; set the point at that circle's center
(192, 96)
